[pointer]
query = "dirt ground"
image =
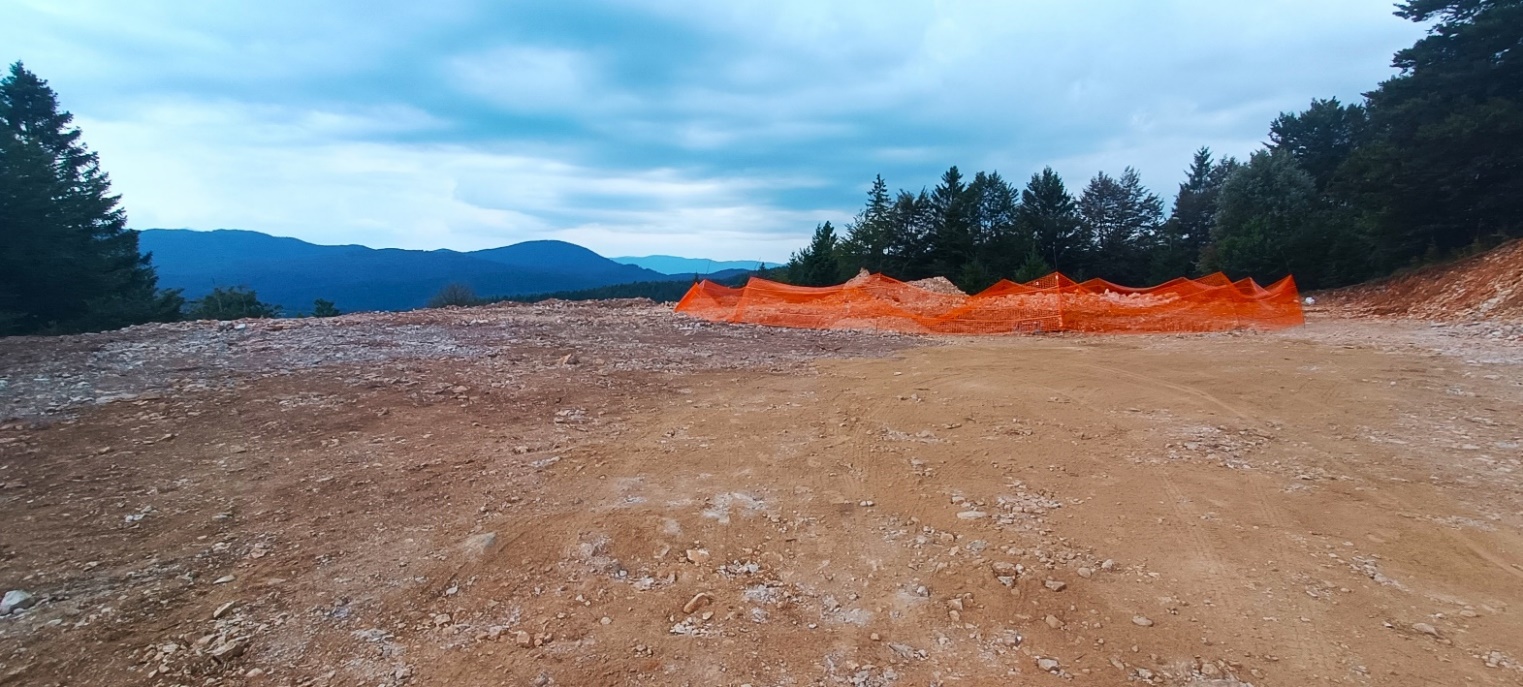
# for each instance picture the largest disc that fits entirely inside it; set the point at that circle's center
(1485, 289)
(446, 498)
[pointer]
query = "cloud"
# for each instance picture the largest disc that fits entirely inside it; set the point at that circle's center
(290, 175)
(671, 126)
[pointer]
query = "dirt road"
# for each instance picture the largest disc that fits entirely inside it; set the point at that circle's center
(1339, 504)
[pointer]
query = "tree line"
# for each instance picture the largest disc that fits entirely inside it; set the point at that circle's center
(1428, 166)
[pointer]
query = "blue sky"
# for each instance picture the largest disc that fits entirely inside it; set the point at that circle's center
(721, 129)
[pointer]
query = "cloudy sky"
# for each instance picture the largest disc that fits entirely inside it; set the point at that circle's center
(713, 128)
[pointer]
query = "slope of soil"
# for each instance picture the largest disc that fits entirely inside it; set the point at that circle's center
(1485, 286)
(451, 500)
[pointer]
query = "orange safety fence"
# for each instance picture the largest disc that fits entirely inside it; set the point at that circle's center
(1053, 303)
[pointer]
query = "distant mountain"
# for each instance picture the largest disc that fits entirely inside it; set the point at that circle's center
(669, 264)
(292, 273)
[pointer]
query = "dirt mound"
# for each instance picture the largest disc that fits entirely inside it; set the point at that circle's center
(940, 285)
(1485, 286)
(937, 285)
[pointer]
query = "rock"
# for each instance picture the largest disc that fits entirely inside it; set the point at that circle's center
(224, 579)
(1086, 573)
(1144, 673)
(1108, 565)
(228, 650)
(1426, 629)
(223, 609)
(570, 359)
(699, 556)
(254, 672)
(1003, 569)
(971, 515)
(523, 639)
(16, 600)
(698, 601)
(1048, 664)
(1055, 585)
(441, 619)
(481, 544)
(1142, 621)
(605, 620)
(1053, 622)
(955, 603)
(875, 637)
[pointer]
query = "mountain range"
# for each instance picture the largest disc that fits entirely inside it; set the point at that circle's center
(293, 273)
(671, 264)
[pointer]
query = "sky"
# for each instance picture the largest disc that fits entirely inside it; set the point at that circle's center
(723, 130)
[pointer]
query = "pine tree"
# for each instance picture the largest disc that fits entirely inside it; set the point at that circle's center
(1188, 229)
(998, 247)
(1049, 215)
(869, 237)
(1440, 168)
(324, 308)
(1271, 223)
(1321, 137)
(67, 261)
(1120, 218)
(951, 237)
(817, 264)
(913, 220)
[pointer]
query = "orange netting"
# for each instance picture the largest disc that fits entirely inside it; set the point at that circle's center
(1052, 303)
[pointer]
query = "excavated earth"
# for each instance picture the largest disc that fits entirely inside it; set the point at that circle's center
(613, 494)
(1482, 289)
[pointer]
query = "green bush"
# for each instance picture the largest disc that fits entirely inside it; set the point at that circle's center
(234, 303)
(323, 308)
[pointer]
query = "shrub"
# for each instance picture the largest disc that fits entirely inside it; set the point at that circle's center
(322, 308)
(234, 303)
(454, 294)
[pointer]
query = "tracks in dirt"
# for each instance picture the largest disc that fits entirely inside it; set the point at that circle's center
(1234, 482)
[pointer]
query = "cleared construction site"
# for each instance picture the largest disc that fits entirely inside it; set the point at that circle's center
(614, 493)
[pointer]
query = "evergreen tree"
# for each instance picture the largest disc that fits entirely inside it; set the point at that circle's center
(324, 308)
(1050, 217)
(1188, 230)
(67, 261)
(1320, 138)
(1120, 218)
(869, 237)
(951, 239)
(913, 221)
(817, 264)
(1034, 267)
(1441, 170)
(998, 247)
(1271, 222)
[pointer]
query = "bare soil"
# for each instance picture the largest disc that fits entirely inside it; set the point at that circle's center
(1483, 287)
(613, 494)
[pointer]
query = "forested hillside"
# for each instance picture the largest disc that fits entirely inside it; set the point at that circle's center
(1426, 166)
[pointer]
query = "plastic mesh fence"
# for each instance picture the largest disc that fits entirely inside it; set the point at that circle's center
(1050, 304)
